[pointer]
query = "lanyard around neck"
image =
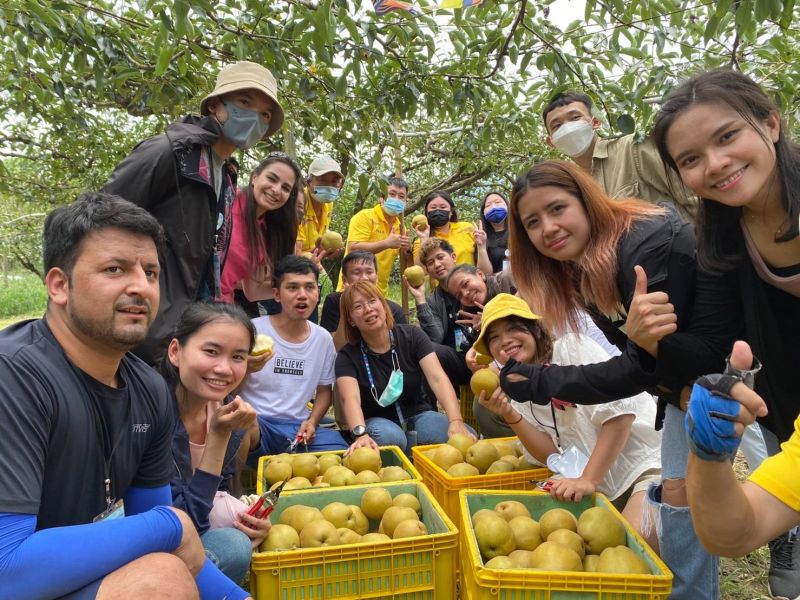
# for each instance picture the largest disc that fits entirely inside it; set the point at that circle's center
(395, 366)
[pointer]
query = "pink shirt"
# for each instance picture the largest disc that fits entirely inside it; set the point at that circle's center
(790, 285)
(236, 265)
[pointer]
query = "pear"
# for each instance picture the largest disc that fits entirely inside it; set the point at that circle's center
(375, 501)
(340, 514)
(409, 528)
(526, 533)
(484, 512)
(500, 562)
(557, 518)
(521, 559)
(339, 476)
(499, 466)
(371, 538)
(305, 465)
(506, 448)
(277, 471)
(445, 456)
(601, 529)
(348, 536)
(297, 483)
(363, 459)
(419, 222)
(463, 469)
(263, 344)
(569, 539)
(319, 533)
(415, 275)
(462, 442)
(281, 537)
(508, 509)
(494, 537)
(394, 515)
(484, 380)
(481, 455)
(621, 559)
(328, 460)
(297, 516)
(366, 476)
(550, 556)
(590, 562)
(331, 240)
(393, 474)
(361, 522)
(409, 500)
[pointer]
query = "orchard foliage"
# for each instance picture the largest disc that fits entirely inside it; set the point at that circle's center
(458, 93)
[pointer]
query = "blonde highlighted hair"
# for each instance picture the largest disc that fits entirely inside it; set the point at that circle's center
(368, 290)
(559, 288)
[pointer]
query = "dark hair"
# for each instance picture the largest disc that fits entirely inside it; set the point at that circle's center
(359, 256)
(66, 227)
(431, 245)
(397, 182)
(196, 316)
(719, 245)
(369, 290)
(542, 337)
(560, 288)
(444, 196)
(487, 227)
(273, 237)
(564, 98)
(292, 263)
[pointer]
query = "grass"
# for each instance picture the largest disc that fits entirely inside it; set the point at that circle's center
(21, 296)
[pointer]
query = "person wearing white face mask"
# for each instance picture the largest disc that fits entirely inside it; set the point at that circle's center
(377, 230)
(623, 167)
(182, 177)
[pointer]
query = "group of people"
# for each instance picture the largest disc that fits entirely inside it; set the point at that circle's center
(599, 290)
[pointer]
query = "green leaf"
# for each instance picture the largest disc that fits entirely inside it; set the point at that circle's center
(163, 60)
(341, 86)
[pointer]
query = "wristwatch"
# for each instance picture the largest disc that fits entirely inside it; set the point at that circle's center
(359, 430)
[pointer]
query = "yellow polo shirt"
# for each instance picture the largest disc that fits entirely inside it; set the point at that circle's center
(778, 473)
(370, 225)
(310, 229)
(461, 237)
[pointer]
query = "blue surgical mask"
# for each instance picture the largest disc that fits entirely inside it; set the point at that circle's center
(325, 194)
(244, 127)
(394, 206)
(496, 214)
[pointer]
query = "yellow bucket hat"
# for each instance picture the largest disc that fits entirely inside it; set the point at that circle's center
(245, 75)
(500, 307)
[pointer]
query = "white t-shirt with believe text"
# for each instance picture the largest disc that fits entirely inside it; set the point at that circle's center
(289, 380)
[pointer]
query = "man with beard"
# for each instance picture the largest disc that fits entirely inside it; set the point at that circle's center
(301, 368)
(86, 426)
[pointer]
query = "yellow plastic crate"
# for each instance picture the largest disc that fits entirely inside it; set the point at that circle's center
(419, 568)
(391, 456)
(445, 487)
(465, 397)
(480, 583)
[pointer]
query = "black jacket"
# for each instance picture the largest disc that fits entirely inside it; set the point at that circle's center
(665, 247)
(739, 305)
(194, 491)
(169, 175)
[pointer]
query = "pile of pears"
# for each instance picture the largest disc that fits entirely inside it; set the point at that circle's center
(462, 456)
(339, 523)
(302, 471)
(509, 538)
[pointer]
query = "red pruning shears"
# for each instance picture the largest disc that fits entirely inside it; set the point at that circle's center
(543, 485)
(269, 498)
(300, 437)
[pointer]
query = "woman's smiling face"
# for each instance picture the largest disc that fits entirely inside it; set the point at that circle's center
(510, 339)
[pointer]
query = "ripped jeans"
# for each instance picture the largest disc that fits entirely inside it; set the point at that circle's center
(695, 571)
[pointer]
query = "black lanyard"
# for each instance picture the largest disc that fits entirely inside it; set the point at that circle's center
(395, 365)
(101, 432)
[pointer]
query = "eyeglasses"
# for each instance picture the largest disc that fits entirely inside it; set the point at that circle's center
(360, 307)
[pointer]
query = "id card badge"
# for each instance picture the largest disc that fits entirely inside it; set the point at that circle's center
(115, 511)
(217, 277)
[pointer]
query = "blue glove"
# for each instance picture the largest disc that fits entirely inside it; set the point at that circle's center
(710, 418)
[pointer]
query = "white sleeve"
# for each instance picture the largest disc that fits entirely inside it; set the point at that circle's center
(328, 372)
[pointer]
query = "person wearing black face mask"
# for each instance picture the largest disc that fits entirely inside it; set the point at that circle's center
(468, 240)
(182, 178)
(494, 216)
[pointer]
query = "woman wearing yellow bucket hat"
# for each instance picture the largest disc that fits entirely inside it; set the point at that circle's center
(616, 440)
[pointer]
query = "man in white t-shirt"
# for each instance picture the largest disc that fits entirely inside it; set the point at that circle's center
(301, 368)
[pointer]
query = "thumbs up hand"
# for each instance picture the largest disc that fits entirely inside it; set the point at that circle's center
(651, 315)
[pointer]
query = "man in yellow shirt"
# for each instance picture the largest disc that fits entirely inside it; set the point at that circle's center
(733, 518)
(377, 230)
(325, 181)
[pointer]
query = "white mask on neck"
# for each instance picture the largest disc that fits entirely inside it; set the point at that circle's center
(573, 138)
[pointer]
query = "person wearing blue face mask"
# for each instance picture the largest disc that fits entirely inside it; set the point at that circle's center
(377, 230)
(182, 178)
(323, 186)
(494, 216)
(468, 240)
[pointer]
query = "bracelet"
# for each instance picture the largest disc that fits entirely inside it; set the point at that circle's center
(515, 422)
(454, 420)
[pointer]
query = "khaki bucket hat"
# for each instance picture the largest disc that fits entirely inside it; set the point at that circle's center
(245, 75)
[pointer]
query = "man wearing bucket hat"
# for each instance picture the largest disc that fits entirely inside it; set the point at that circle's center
(182, 177)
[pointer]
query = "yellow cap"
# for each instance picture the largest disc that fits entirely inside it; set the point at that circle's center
(500, 307)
